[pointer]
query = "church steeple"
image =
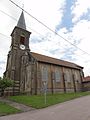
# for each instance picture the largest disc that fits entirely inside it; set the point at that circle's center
(20, 36)
(18, 54)
(21, 22)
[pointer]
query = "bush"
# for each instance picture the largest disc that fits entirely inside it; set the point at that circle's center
(4, 83)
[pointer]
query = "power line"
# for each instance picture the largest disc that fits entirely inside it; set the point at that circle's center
(21, 23)
(59, 42)
(9, 37)
(31, 29)
(7, 14)
(5, 35)
(49, 28)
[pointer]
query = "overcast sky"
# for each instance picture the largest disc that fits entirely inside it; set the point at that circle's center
(70, 19)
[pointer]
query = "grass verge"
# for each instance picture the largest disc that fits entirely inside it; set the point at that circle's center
(5, 109)
(38, 101)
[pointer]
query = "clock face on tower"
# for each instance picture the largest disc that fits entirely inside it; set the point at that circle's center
(22, 47)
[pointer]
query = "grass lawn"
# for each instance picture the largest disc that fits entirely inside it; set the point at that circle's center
(38, 101)
(6, 109)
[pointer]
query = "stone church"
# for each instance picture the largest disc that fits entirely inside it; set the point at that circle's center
(33, 73)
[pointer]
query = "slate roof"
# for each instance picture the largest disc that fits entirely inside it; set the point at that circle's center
(50, 60)
(21, 22)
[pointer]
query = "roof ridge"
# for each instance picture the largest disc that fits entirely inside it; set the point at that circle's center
(45, 58)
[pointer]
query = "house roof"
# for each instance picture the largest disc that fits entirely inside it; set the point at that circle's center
(87, 78)
(50, 60)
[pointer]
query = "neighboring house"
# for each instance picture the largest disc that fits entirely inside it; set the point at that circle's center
(87, 78)
(86, 83)
(33, 73)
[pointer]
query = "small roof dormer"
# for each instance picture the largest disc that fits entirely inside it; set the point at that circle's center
(21, 22)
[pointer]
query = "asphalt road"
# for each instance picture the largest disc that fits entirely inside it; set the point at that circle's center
(77, 109)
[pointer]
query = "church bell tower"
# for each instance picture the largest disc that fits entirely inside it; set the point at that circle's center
(19, 48)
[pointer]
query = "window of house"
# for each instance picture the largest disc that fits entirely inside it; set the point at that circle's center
(22, 40)
(57, 75)
(44, 73)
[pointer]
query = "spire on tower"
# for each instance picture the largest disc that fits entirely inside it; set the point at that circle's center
(21, 21)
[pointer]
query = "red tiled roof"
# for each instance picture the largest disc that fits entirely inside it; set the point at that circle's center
(87, 78)
(50, 60)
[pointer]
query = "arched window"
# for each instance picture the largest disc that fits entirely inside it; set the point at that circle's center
(68, 76)
(22, 39)
(77, 76)
(57, 75)
(44, 73)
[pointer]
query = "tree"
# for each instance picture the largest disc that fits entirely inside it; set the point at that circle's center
(4, 83)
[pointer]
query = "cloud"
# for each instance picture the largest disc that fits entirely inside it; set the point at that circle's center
(79, 9)
(70, 19)
(67, 16)
(81, 32)
(2, 67)
(80, 36)
(2, 62)
(48, 11)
